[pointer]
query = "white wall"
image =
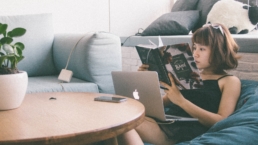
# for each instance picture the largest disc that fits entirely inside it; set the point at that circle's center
(76, 16)
(127, 16)
(81, 16)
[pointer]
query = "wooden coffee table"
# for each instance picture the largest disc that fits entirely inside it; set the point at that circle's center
(68, 118)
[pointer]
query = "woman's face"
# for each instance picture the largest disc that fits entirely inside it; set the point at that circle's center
(201, 56)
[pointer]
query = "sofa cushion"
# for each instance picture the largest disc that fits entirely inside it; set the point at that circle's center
(173, 23)
(41, 84)
(184, 5)
(93, 59)
(239, 128)
(38, 41)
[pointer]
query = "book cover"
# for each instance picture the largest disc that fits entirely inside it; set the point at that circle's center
(176, 59)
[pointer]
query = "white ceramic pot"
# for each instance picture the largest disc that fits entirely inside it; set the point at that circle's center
(12, 90)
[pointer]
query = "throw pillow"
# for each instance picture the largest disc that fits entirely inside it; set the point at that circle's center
(184, 5)
(173, 23)
(204, 6)
(251, 2)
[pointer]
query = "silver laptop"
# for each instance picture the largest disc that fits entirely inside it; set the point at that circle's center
(145, 86)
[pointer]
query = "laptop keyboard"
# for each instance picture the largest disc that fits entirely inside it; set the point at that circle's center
(181, 118)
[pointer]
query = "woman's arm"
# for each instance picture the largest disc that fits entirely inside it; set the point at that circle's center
(230, 87)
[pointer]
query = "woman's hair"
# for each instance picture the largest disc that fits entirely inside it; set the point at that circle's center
(223, 46)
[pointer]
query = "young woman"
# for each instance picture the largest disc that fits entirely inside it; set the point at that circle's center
(214, 51)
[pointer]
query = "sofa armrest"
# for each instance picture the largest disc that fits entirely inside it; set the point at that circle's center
(93, 59)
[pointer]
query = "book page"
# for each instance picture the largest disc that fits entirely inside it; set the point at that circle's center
(152, 57)
(179, 61)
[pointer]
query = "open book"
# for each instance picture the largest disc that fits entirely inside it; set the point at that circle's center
(176, 59)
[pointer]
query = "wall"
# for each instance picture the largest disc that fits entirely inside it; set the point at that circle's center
(68, 15)
(121, 17)
(127, 16)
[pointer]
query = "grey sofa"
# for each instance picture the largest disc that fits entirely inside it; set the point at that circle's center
(46, 53)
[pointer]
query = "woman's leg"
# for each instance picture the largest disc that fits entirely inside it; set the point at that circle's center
(150, 132)
(129, 138)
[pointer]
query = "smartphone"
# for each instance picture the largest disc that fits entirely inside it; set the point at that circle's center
(110, 99)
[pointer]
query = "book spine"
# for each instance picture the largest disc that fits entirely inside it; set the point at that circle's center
(161, 65)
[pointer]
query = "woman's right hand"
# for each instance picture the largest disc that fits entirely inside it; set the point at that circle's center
(143, 67)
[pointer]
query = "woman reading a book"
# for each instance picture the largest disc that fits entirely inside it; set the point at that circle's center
(214, 52)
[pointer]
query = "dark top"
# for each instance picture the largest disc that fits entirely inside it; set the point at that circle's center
(208, 98)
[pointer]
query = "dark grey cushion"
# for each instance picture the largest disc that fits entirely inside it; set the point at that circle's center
(251, 2)
(173, 23)
(204, 6)
(184, 5)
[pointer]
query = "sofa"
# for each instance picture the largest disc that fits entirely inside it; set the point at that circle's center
(46, 54)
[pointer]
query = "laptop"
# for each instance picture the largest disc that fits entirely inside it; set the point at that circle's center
(145, 87)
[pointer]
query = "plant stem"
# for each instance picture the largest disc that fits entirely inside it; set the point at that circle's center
(7, 63)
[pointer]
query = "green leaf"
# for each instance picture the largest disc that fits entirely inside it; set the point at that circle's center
(3, 28)
(17, 32)
(6, 40)
(20, 58)
(18, 51)
(19, 45)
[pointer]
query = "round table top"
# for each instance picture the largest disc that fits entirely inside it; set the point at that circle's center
(68, 118)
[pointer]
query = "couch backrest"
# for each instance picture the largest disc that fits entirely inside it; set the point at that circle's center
(38, 41)
(93, 59)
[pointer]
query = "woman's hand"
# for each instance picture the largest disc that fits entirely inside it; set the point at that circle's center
(173, 92)
(196, 78)
(143, 67)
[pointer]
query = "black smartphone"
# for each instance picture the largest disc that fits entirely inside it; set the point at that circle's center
(110, 99)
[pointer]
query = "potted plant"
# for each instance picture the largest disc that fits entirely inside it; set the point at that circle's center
(13, 83)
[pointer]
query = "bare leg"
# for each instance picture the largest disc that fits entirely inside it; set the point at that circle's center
(150, 132)
(129, 138)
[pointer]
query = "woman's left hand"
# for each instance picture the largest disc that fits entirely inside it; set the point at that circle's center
(173, 92)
